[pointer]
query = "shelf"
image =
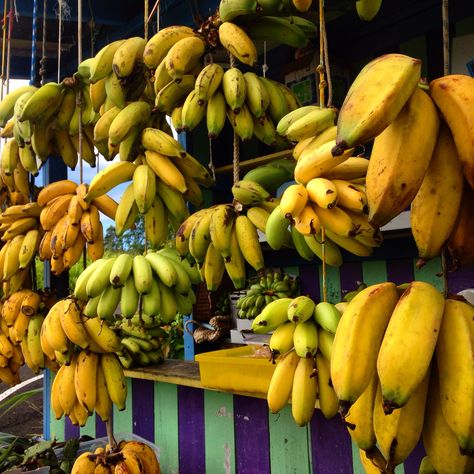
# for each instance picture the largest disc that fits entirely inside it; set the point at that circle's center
(178, 372)
(261, 160)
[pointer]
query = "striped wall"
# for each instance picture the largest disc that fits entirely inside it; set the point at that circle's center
(200, 431)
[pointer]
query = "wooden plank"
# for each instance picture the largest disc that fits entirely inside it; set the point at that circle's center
(191, 430)
(178, 372)
(333, 282)
(166, 426)
(219, 432)
(331, 445)
(252, 445)
(123, 419)
(288, 444)
(89, 428)
(142, 408)
(431, 272)
(374, 272)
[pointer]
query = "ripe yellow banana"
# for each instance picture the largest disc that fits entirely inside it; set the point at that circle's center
(238, 43)
(101, 65)
(356, 343)
(66, 386)
(130, 51)
(234, 88)
(375, 98)
(322, 192)
(161, 142)
(391, 187)
(208, 81)
(327, 397)
(248, 241)
(85, 379)
(436, 205)
(133, 115)
(114, 379)
(257, 97)
(281, 340)
(281, 383)
(293, 200)
(350, 196)
(216, 114)
(409, 343)
(304, 391)
(184, 56)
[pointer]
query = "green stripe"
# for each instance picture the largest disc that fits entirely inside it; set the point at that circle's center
(123, 419)
(333, 282)
(166, 426)
(400, 469)
(357, 466)
(56, 426)
(288, 444)
(219, 432)
(89, 428)
(292, 270)
(374, 272)
(431, 272)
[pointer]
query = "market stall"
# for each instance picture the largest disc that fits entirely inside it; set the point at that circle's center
(304, 223)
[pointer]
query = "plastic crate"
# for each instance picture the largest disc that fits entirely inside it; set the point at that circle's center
(236, 370)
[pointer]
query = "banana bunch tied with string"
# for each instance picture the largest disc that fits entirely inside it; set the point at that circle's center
(21, 319)
(20, 235)
(143, 340)
(156, 285)
(71, 224)
(89, 382)
(45, 121)
(162, 179)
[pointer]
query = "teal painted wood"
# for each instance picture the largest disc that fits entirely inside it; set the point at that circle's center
(333, 282)
(431, 272)
(374, 272)
(356, 462)
(166, 426)
(219, 432)
(89, 428)
(123, 419)
(289, 444)
(56, 426)
(400, 469)
(292, 270)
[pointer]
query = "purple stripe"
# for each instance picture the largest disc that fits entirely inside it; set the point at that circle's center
(412, 463)
(350, 276)
(142, 409)
(461, 279)
(191, 430)
(400, 270)
(331, 445)
(252, 442)
(100, 428)
(70, 430)
(309, 278)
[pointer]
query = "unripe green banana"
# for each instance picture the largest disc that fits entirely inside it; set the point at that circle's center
(305, 339)
(100, 278)
(121, 270)
(163, 268)
(327, 316)
(272, 316)
(301, 309)
(109, 300)
(276, 229)
(325, 342)
(151, 301)
(142, 274)
(129, 298)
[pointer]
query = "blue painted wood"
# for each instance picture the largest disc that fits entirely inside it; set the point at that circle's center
(412, 464)
(46, 410)
(100, 428)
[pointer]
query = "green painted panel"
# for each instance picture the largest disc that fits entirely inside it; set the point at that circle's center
(400, 469)
(333, 282)
(374, 272)
(89, 428)
(219, 432)
(289, 446)
(292, 270)
(166, 426)
(123, 419)
(356, 462)
(431, 272)
(56, 426)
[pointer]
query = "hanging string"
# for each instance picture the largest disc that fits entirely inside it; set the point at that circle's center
(322, 86)
(326, 65)
(42, 71)
(60, 35)
(446, 71)
(145, 20)
(264, 65)
(211, 163)
(33, 43)
(92, 29)
(158, 15)
(9, 44)
(4, 45)
(236, 144)
(156, 7)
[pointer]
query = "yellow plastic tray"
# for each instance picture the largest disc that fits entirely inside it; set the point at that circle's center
(235, 370)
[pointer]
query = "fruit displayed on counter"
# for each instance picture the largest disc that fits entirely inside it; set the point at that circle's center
(268, 288)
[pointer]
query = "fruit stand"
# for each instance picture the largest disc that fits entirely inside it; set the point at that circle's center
(300, 178)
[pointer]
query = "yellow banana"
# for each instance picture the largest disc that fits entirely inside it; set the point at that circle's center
(311, 124)
(304, 391)
(258, 217)
(164, 168)
(127, 211)
(213, 268)
(234, 88)
(242, 122)
(133, 115)
(281, 383)
(350, 197)
(156, 230)
(322, 192)
(238, 43)
(293, 200)
(159, 141)
(130, 51)
(353, 168)
(184, 55)
(208, 81)
(216, 114)
(248, 241)
(327, 397)
(103, 405)
(103, 336)
(114, 379)
(66, 386)
(256, 97)
(85, 379)
(235, 266)
(144, 187)
(101, 66)
(281, 340)
(336, 220)
(54, 190)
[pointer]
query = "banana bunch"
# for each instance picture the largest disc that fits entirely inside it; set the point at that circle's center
(66, 326)
(88, 382)
(71, 223)
(156, 285)
(143, 340)
(383, 396)
(21, 234)
(133, 457)
(269, 288)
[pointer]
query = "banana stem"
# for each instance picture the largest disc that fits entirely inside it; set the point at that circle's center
(110, 434)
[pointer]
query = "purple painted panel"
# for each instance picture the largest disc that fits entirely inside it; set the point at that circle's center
(142, 409)
(191, 430)
(461, 279)
(100, 428)
(70, 430)
(309, 278)
(412, 463)
(400, 270)
(331, 445)
(252, 441)
(350, 274)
